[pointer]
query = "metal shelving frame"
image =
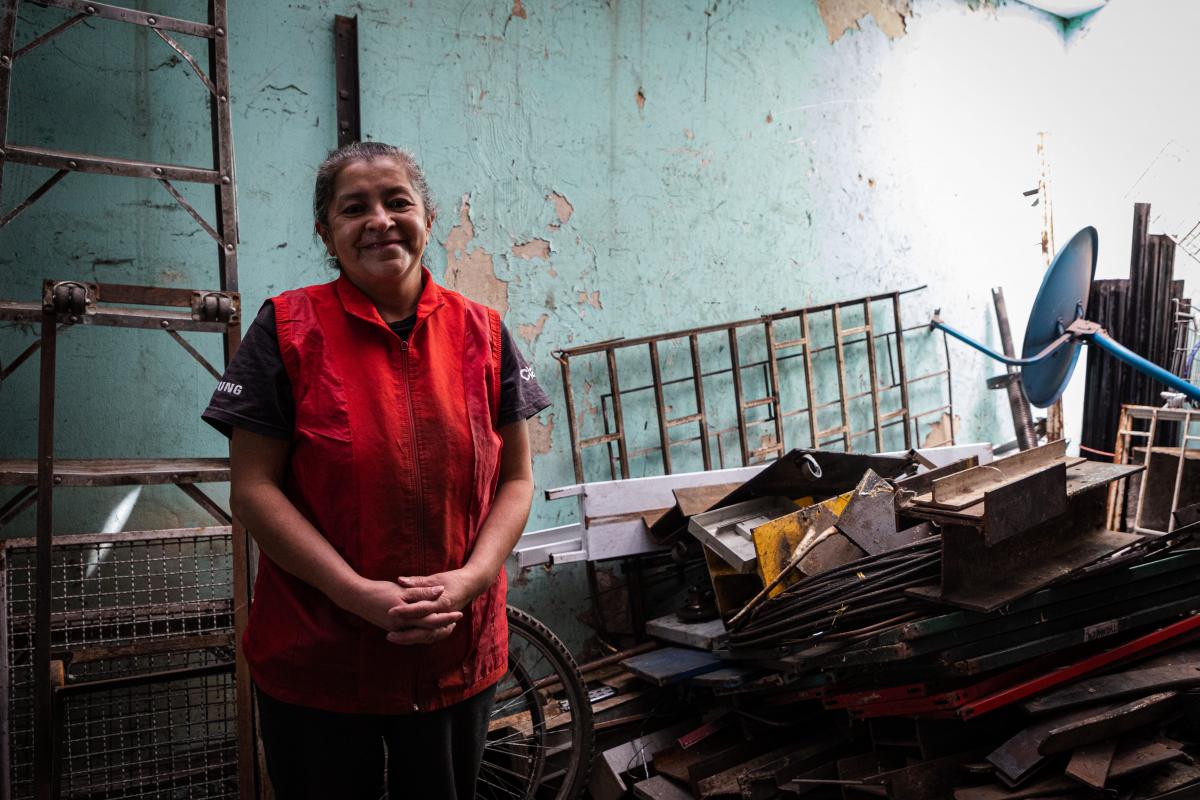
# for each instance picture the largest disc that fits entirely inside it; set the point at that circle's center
(70, 304)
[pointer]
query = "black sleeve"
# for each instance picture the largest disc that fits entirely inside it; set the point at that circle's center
(520, 395)
(255, 393)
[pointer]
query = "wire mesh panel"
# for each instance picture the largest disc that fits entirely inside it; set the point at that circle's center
(834, 377)
(142, 623)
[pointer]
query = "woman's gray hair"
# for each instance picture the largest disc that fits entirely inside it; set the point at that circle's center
(365, 151)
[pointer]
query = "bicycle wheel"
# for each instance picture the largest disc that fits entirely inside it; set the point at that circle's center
(539, 742)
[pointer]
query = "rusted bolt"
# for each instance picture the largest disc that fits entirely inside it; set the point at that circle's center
(72, 164)
(73, 319)
(3, 154)
(58, 479)
(220, 31)
(90, 9)
(5, 60)
(344, 94)
(166, 323)
(152, 20)
(225, 180)
(223, 99)
(229, 248)
(158, 171)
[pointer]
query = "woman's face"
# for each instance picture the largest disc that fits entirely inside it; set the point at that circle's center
(378, 227)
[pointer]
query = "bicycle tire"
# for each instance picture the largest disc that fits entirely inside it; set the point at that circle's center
(540, 735)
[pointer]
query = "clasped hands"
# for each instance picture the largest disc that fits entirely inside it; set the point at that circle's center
(420, 609)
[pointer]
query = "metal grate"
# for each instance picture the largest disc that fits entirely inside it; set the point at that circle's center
(835, 377)
(143, 622)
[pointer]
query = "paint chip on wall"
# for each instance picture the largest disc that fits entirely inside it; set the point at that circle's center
(530, 332)
(471, 271)
(562, 209)
(840, 16)
(641, 99)
(541, 435)
(534, 248)
(518, 9)
(592, 299)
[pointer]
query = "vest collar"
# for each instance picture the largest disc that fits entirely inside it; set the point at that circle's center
(357, 304)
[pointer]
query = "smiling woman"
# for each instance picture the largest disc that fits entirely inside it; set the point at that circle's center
(381, 462)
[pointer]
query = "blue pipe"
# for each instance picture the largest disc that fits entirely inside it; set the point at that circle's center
(1003, 359)
(1119, 351)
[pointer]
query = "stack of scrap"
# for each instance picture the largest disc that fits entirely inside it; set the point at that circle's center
(969, 632)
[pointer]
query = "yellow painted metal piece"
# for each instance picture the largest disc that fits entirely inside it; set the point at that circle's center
(775, 541)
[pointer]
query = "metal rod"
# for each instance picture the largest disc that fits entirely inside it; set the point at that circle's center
(841, 376)
(201, 221)
(659, 407)
(33, 197)
(874, 370)
(134, 17)
(698, 383)
(1045, 353)
(809, 390)
(569, 401)
(1149, 368)
(1017, 402)
(194, 353)
(174, 45)
(775, 389)
(618, 417)
(349, 126)
(721, 327)
(124, 167)
(50, 34)
(43, 724)
(8, 29)
(207, 503)
(22, 500)
(738, 401)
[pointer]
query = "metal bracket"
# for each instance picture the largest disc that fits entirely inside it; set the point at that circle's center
(73, 298)
(214, 307)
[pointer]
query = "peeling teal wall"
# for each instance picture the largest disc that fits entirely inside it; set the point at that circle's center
(602, 169)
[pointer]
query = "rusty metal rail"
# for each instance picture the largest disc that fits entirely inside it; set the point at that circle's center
(715, 354)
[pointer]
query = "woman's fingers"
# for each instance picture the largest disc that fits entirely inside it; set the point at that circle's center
(420, 635)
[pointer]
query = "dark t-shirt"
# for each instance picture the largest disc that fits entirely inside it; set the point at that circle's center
(255, 393)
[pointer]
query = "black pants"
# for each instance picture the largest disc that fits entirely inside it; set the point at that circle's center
(320, 755)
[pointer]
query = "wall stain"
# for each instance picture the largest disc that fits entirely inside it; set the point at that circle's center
(840, 16)
(641, 99)
(531, 331)
(592, 299)
(534, 248)
(471, 271)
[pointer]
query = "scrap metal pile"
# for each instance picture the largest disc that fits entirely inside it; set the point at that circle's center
(886, 627)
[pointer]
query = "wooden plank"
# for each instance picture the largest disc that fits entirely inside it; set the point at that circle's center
(1111, 722)
(1143, 753)
(1089, 764)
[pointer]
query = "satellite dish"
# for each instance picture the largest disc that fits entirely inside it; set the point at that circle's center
(1057, 329)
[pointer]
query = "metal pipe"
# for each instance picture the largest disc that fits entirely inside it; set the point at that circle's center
(1017, 402)
(1122, 353)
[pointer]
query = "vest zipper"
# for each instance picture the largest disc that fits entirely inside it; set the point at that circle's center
(412, 426)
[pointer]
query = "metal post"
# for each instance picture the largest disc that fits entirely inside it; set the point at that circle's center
(1017, 402)
(43, 700)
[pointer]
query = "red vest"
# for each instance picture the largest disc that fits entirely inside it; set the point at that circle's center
(395, 460)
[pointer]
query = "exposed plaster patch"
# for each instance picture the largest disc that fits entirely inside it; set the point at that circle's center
(534, 248)
(770, 118)
(943, 431)
(687, 132)
(562, 209)
(592, 299)
(518, 9)
(472, 272)
(641, 99)
(530, 332)
(540, 435)
(840, 16)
